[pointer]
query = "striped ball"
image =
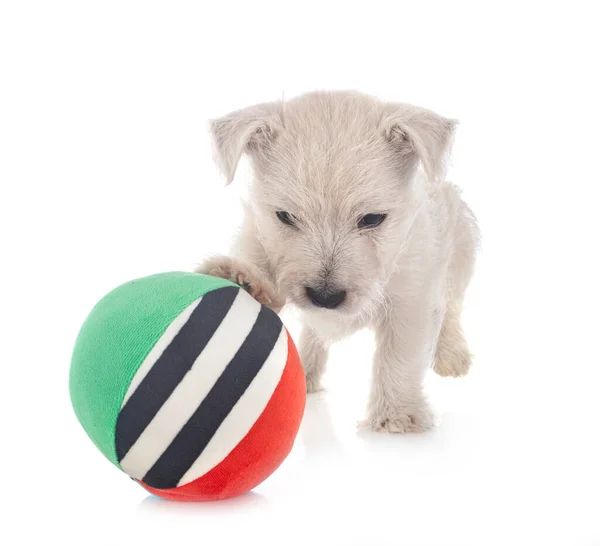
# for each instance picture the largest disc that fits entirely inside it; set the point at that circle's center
(188, 385)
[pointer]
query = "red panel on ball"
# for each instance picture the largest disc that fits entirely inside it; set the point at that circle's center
(261, 451)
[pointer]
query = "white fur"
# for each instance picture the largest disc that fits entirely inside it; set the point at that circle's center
(329, 158)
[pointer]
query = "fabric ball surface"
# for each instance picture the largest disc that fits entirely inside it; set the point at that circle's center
(188, 385)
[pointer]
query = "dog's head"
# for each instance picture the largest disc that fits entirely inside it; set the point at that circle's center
(334, 189)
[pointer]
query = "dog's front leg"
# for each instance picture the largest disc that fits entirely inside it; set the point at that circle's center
(397, 402)
(313, 354)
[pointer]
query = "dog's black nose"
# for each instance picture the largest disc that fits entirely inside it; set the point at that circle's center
(326, 298)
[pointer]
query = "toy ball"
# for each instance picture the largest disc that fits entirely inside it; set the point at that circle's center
(188, 385)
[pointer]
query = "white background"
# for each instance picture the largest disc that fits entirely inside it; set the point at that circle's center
(106, 175)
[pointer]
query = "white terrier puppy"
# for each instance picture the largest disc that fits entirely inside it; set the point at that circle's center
(350, 220)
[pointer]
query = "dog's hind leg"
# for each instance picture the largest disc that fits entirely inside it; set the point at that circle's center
(452, 355)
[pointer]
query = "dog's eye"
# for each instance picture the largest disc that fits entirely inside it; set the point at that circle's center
(286, 218)
(371, 220)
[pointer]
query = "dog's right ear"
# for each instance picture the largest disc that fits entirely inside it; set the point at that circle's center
(250, 130)
(420, 133)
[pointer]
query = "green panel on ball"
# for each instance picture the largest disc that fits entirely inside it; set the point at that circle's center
(105, 360)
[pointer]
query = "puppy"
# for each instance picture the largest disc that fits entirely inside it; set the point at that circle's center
(350, 220)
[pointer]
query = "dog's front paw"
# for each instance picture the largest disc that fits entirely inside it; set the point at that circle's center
(400, 420)
(247, 276)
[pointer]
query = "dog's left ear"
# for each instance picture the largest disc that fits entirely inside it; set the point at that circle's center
(427, 135)
(250, 130)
